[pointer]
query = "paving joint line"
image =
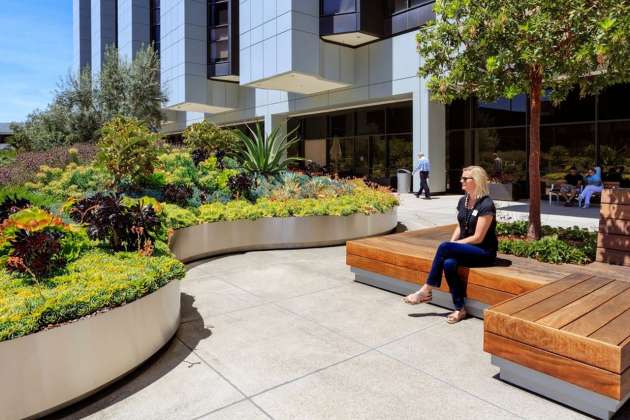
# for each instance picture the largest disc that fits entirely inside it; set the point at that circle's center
(311, 373)
(224, 378)
(448, 383)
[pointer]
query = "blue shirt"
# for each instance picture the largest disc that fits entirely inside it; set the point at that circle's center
(423, 166)
(596, 179)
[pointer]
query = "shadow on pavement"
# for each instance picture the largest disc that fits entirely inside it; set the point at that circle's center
(171, 355)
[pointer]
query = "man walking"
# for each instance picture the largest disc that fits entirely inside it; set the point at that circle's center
(424, 167)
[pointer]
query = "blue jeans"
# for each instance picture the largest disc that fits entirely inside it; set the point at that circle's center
(449, 256)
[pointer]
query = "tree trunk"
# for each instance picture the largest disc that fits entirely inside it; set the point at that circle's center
(534, 230)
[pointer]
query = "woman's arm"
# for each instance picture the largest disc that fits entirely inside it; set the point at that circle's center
(456, 234)
(483, 224)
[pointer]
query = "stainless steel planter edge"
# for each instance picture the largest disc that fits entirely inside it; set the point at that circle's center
(209, 239)
(50, 369)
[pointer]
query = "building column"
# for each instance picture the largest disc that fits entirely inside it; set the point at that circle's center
(104, 32)
(429, 137)
(133, 27)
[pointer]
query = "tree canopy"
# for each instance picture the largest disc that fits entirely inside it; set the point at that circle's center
(83, 102)
(493, 48)
(502, 48)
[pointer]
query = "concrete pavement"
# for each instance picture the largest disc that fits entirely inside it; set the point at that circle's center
(290, 335)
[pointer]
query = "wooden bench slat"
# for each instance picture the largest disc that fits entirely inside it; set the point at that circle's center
(597, 318)
(616, 331)
(614, 227)
(538, 295)
(480, 293)
(612, 256)
(616, 196)
(584, 305)
(558, 301)
(578, 373)
(616, 242)
(583, 349)
(615, 211)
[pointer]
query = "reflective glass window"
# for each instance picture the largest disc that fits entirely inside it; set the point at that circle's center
(501, 113)
(400, 152)
(573, 109)
(614, 149)
(614, 103)
(336, 7)
(399, 118)
(371, 121)
(563, 146)
(506, 144)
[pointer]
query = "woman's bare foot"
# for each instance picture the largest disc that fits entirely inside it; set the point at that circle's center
(421, 296)
(457, 316)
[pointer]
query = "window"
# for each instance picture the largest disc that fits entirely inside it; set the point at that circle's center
(219, 31)
(397, 6)
(372, 142)
(338, 7)
(154, 18)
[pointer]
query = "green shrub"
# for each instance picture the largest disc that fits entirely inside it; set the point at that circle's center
(73, 181)
(207, 137)
(128, 150)
(176, 217)
(176, 168)
(212, 178)
(95, 281)
(36, 198)
(558, 245)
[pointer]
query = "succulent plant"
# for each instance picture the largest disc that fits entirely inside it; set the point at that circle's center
(240, 185)
(177, 194)
(11, 205)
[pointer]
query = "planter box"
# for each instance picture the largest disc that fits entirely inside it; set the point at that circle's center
(503, 192)
(210, 239)
(50, 369)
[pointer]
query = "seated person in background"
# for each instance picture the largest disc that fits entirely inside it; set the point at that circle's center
(570, 188)
(594, 184)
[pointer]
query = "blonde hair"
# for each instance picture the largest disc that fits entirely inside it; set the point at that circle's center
(481, 180)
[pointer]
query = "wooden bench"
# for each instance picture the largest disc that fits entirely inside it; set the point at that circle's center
(400, 263)
(559, 330)
(613, 240)
(568, 340)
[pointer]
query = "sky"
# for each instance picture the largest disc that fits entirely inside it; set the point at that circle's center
(35, 54)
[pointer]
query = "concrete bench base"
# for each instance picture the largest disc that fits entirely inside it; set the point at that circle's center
(589, 402)
(440, 298)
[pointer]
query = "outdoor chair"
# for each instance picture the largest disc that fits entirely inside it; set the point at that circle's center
(552, 192)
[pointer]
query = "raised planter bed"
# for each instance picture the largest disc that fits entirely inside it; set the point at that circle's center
(503, 192)
(47, 370)
(208, 239)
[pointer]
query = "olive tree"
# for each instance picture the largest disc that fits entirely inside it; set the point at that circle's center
(543, 48)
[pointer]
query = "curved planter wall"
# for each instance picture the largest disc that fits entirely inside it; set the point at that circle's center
(210, 239)
(50, 369)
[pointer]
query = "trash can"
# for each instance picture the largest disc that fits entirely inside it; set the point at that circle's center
(404, 180)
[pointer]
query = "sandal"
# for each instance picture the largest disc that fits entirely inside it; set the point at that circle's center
(457, 316)
(416, 298)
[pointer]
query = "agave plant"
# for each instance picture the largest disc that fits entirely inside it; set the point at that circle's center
(266, 155)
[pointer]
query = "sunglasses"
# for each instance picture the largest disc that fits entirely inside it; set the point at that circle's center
(465, 178)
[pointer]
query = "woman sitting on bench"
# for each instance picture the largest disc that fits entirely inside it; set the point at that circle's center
(473, 243)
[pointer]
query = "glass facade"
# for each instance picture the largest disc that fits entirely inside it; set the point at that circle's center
(368, 142)
(580, 132)
(337, 7)
(154, 18)
(223, 40)
(219, 35)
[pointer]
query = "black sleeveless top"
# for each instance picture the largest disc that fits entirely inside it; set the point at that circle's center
(467, 219)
